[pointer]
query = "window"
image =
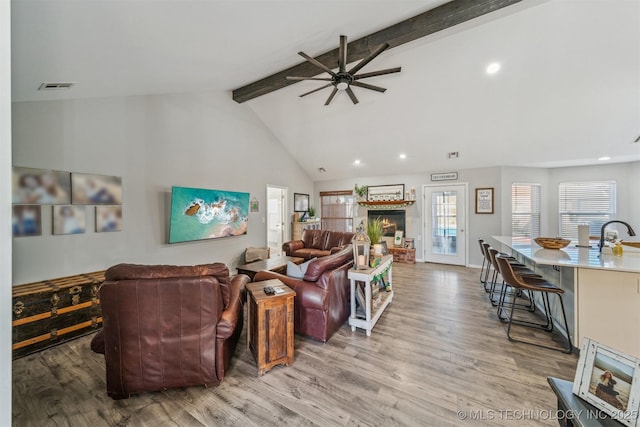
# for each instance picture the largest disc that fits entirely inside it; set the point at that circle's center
(592, 203)
(525, 210)
(337, 210)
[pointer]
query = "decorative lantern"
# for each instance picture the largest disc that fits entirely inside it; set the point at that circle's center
(361, 246)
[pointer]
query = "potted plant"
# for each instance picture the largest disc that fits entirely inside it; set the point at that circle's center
(312, 212)
(374, 231)
(361, 192)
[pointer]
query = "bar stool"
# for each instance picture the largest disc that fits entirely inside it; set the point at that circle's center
(484, 246)
(520, 269)
(484, 262)
(545, 288)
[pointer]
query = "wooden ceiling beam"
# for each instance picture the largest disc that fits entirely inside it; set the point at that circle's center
(440, 18)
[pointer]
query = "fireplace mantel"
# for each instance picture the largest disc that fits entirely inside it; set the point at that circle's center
(387, 204)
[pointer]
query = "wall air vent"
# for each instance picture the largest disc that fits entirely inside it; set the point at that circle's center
(56, 86)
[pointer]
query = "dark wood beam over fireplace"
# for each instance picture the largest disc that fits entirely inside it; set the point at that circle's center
(440, 18)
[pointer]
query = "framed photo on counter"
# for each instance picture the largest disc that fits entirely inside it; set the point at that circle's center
(609, 380)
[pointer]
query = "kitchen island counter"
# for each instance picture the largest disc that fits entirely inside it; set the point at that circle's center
(602, 292)
(573, 256)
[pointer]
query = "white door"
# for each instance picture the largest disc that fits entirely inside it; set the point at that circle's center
(444, 223)
(276, 218)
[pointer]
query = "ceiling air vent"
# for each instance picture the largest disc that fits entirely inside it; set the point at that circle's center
(56, 86)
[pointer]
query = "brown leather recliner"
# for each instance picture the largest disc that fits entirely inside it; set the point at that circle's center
(322, 302)
(317, 243)
(168, 326)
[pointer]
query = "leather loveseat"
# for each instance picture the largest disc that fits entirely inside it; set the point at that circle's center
(317, 243)
(168, 326)
(322, 303)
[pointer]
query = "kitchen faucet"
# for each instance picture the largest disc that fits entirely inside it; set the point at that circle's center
(629, 230)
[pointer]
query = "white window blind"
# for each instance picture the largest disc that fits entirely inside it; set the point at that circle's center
(592, 202)
(337, 210)
(525, 210)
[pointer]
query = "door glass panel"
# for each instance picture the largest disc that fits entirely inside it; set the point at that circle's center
(444, 223)
(275, 219)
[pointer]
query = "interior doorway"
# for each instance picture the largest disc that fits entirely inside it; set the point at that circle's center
(276, 218)
(444, 223)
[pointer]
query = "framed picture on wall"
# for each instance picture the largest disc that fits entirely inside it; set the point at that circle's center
(108, 218)
(69, 219)
(484, 200)
(87, 189)
(41, 186)
(300, 202)
(381, 193)
(26, 220)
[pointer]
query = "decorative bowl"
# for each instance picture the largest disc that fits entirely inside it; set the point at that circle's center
(552, 242)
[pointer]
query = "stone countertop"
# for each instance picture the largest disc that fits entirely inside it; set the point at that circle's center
(573, 256)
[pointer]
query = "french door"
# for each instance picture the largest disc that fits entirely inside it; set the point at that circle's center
(276, 218)
(444, 223)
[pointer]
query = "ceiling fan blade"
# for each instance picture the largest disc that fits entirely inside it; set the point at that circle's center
(308, 78)
(333, 93)
(316, 63)
(377, 73)
(315, 90)
(342, 54)
(377, 51)
(352, 95)
(368, 86)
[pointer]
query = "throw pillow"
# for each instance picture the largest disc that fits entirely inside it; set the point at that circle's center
(297, 271)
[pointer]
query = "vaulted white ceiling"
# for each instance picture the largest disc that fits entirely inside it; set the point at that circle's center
(568, 91)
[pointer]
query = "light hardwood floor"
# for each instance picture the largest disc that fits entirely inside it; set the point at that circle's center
(437, 352)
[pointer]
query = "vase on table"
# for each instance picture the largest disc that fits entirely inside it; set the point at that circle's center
(377, 250)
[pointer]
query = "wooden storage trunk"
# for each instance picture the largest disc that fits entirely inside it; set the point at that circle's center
(53, 311)
(403, 255)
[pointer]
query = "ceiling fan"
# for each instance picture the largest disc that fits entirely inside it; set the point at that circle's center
(343, 79)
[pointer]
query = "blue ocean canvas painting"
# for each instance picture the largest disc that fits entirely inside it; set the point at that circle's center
(198, 214)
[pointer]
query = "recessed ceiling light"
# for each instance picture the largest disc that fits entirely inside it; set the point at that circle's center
(356, 162)
(603, 158)
(322, 170)
(493, 68)
(403, 156)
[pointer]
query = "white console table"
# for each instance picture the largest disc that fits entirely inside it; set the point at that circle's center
(366, 276)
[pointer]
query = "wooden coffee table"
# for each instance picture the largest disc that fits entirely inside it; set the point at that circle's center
(277, 264)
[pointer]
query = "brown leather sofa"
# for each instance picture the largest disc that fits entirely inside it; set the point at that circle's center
(322, 302)
(168, 326)
(317, 243)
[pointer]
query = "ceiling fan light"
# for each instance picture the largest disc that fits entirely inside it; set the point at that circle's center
(342, 85)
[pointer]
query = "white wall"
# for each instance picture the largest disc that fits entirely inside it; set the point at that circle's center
(154, 142)
(634, 195)
(5, 219)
